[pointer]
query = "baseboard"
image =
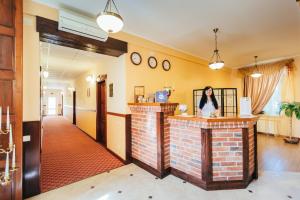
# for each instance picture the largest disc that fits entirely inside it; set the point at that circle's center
(275, 135)
(212, 185)
(125, 162)
(116, 155)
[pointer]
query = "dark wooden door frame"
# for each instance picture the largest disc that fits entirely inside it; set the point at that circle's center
(74, 107)
(48, 32)
(101, 137)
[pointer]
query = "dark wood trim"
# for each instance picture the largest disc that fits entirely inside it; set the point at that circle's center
(255, 174)
(74, 107)
(115, 155)
(206, 155)
(189, 178)
(117, 114)
(31, 159)
(245, 136)
(160, 141)
(128, 138)
(49, 33)
(228, 185)
(87, 134)
(146, 167)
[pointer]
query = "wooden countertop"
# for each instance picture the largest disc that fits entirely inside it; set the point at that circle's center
(152, 104)
(216, 119)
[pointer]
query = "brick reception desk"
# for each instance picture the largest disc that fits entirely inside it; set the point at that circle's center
(150, 136)
(214, 153)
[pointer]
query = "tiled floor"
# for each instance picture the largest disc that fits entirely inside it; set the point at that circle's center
(133, 183)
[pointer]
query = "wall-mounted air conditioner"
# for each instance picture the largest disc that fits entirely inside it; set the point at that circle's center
(80, 25)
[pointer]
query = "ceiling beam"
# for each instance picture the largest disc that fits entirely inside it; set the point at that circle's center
(49, 33)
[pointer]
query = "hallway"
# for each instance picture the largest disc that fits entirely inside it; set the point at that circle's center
(69, 155)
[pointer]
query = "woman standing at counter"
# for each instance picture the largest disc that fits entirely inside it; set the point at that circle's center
(208, 104)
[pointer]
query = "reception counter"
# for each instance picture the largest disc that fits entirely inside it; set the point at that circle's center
(214, 153)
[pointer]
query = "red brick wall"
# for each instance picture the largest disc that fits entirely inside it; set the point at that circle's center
(144, 133)
(144, 137)
(185, 148)
(227, 152)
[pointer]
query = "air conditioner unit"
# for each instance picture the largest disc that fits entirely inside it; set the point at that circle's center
(80, 25)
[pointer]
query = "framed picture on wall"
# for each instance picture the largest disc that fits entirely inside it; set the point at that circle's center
(111, 90)
(88, 92)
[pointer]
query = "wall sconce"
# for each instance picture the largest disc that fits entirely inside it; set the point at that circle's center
(89, 78)
(6, 175)
(45, 74)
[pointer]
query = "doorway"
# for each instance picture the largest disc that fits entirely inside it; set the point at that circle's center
(74, 107)
(101, 135)
(51, 106)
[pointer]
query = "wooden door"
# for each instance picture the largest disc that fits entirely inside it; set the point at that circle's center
(11, 31)
(101, 113)
(74, 107)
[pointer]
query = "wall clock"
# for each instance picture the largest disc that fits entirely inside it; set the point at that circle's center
(152, 62)
(166, 65)
(136, 58)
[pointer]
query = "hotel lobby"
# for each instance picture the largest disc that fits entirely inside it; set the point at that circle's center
(110, 99)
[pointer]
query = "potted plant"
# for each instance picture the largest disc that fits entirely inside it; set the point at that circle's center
(289, 110)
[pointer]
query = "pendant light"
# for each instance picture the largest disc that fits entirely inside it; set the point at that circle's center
(256, 73)
(110, 20)
(215, 61)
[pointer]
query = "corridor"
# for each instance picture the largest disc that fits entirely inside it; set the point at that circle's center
(69, 155)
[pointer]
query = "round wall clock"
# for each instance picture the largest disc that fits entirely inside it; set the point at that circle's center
(152, 62)
(166, 65)
(136, 58)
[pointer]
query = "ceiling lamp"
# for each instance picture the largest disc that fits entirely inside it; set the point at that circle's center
(110, 20)
(215, 61)
(256, 73)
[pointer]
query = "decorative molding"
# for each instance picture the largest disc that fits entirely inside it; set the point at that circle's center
(116, 114)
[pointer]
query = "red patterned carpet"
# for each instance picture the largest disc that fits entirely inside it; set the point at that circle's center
(69, 155)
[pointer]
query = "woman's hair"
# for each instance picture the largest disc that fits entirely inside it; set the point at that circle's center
(203, 100)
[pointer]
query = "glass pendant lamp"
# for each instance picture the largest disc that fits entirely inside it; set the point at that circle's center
(256, 73)
(110, 20)
(216, 62)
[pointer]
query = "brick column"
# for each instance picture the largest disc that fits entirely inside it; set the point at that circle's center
(150, 132)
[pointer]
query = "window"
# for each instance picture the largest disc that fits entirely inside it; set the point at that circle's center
(273, 106)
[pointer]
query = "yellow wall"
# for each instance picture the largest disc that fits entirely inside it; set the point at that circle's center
(31, 71)
(68, 113)
(114, 68)
(187, 72)
(116, 140)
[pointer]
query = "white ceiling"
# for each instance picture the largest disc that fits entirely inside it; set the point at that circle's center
(67, 64)
(266, 28)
